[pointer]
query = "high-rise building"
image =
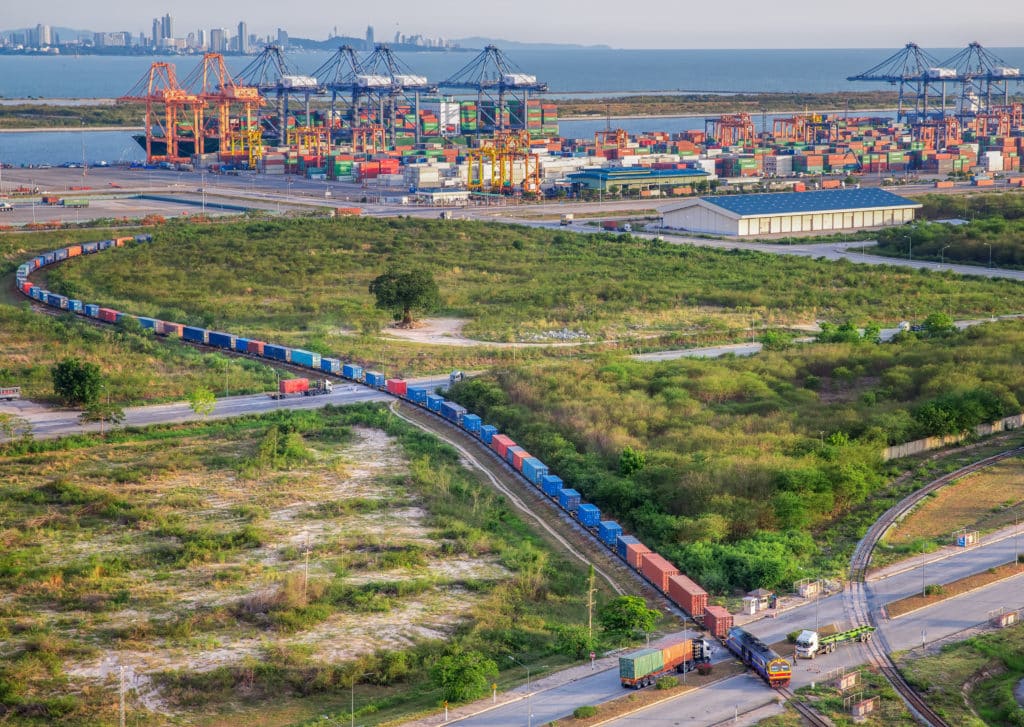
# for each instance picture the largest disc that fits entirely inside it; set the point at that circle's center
(243, 37)
(42, 36)
(156, 32)
(167, 27)
(282, 37)
(218, 40)
(369, 36)
(201, 39)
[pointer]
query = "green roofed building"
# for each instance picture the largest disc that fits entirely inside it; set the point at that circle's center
(622, 179)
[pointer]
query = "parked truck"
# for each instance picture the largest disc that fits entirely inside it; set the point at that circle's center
(6, 207)
(810, 643)
(644, 667)
(10, 393)
(567, 219)
(316, 387)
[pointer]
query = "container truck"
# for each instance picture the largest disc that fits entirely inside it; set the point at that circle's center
(317, 387)
(810, 643)
(10, 393)
(644, 667)
(6, 207)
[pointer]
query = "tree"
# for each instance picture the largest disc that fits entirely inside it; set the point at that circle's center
(626, 615)
(631, 461)
(400, 291)
(76, 382)
(202, 401)
(938, 323)
(463, 675)
(97, 411)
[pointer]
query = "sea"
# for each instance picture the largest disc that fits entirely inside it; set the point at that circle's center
(568, 73)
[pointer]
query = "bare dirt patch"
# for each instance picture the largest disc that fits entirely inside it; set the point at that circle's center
(984, 501)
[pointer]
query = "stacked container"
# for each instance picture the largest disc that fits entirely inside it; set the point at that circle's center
(657, 570)
(569, 499)
(500, 444)
(688, 595)
(589, 515)
(551, 484)
(718, 621)
(609, 531)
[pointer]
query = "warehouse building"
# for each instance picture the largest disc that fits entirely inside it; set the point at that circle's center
(789, 212)
(626, 179)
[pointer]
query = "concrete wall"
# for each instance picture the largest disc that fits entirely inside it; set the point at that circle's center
(698, 218)
(907, 449)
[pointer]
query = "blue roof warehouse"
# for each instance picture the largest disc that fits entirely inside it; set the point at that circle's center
(790, 212)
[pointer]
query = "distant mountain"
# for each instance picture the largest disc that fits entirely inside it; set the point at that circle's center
(478, 42)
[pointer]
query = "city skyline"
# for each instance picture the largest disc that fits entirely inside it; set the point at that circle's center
(662, 24)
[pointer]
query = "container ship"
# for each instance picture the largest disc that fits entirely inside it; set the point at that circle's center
(186, 145)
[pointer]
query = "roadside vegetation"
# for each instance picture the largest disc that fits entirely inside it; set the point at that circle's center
(971, 682)
(750, 467)
(834, 704)
(713, 104)
(181, 553)
(994, 224)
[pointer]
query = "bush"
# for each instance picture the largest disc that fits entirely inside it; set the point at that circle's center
(934, 589)
(792, 636)
(705, 669)
(668, 682)
(584, 712)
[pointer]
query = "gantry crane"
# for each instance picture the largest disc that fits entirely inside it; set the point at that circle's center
(269, 72)
(618, 137)
(340, 75)
(505, 152)
(237, 129)
(173, 116)
(918, 75)
(385, 82)
(985, 80)
(368, 139)
(730, 129)
(790, 129)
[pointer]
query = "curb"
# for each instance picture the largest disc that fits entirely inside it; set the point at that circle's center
(951, 551)
(951, 598)
(667, 698)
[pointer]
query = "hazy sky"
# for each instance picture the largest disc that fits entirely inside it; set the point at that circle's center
(648, 24)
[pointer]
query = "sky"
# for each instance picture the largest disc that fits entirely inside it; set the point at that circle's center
(649, 24)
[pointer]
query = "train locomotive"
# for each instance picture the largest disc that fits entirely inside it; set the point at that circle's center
(760, 657)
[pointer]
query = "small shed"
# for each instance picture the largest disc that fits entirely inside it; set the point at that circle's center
(764, 597)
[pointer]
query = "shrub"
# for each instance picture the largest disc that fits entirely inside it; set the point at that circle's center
(934, 589)
(584, 712)
(668, 682)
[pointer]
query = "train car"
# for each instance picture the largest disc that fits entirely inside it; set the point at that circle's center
(452, 412)
(434, 403)
(417, 395)
(397, 387)
(487, 432)
(589, 515)
(552, 485)
(352, 372)
(374, 379)
(471, 423)
(307, 359)
(221, 339)
(760, 657)
(92, 310)
(569, 499)
(609, 531)
(277, 353)
(330, 366)
(190, 333)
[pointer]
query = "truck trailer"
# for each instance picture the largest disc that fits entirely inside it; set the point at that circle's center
(644, 667)
(810, 643)
(317, 387)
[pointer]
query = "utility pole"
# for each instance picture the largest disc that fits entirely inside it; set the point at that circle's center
(121, 698)
(305, 575)
(590, 604)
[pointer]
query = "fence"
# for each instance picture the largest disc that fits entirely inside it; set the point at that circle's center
(928, 443)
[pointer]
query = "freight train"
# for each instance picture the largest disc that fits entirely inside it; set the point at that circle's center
(676, 587)
(760, 657)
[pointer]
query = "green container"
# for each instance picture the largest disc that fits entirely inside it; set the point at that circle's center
(640, 663)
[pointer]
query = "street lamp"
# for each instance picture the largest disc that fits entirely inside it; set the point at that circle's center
(529, 705)
(989, 244)
(352, 697)
(942, 255)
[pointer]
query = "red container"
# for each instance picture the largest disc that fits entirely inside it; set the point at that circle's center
(398, 387)
(74, 250)
(171, 329)
(718, 621)
(500, 444)
(26, 287)
(517, 460)
(657, 570)
(293, 386)
(687, 595)
(108, 314)
(121, 241)
(635, 553)
(255, 347)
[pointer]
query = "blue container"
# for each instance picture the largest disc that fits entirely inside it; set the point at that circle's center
(40, 295)
(551, 484)
(242, 345)
(588, 514)
(61, 254)
(376, 380)
(306, 358)
(196, 335)
(487, 432)
(609, 531)
(91, 309)
(143, 238)
(534, 470)
(106, 244)
(622, 541)
(330, 366)
(53, 299)
(569, 499)
(452, 412)
(75, 305)
(351, 371)
(510, 453)
(417, 395)
(278, 353)
(49, 258)
(118, 316)
(88, 247)
(221, 340)
(434, 402)
(471, 423)
(149, 323)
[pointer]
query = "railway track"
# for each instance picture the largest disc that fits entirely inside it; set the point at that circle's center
(856, 596)
(806, 711)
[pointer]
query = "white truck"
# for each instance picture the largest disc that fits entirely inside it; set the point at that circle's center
(10, 393)
(567, 219)
(6, 207)
(809, 643)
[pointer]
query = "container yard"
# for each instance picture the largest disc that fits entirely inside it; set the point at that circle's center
(374, 122)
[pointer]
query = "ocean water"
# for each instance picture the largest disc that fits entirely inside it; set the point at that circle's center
(585, 70)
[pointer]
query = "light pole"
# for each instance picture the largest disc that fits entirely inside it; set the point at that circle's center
(352, 698)
(989, 244)
(942, 256)
(910, 246)
(529, 705)
(202, 182)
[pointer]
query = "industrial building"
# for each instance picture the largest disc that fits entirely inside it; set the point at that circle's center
(626, 179)
(790, 212)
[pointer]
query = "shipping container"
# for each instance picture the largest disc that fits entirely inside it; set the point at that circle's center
(107, 314)
(309, 359)
(221, 340)
(330, 366)
(609, 531)
(351, 371)
(534, 470)
(487, 432)
(635, 553)
(552, 485)
(434, 402)
(277, 353)
(292, 386)
(687, 595)
(500, 443)
(375, 379)
(622, 542)
(718, 621)
(76, 306)
(568, 499)
(640, 663)
(148, 323)
(471, 423)
(173, 330)
(657, 570)
(452, 412)
(589, 515)
(257, 347)
(242, 345)
(518, 458)
(397, 387)
(417, 395)
(678, 653)
(510, 452)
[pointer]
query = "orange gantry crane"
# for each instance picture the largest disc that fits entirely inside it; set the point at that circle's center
(605, 139)
(173, 115)
(368, 139)
(509, 156)
(237, 127)
(731, 129)
(938, 133)
(790, 129)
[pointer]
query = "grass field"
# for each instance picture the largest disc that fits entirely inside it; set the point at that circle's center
(833, 704)
(984, 501)
(181, 553)
(971, 683)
